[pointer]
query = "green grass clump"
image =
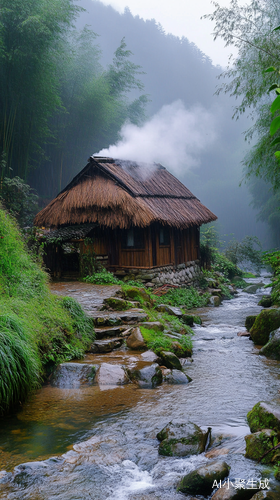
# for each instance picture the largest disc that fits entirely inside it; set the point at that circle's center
(37, 329)
(19, 273)
(157, 342)
(103, 277)
(19, 363)
(175, 324)
(185, 297)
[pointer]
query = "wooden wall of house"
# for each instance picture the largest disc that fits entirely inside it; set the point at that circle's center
(177, 247)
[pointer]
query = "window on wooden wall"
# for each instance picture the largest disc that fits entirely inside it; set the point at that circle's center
(133, 238)
(164, 236)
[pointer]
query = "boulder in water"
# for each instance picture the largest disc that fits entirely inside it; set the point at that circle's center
(182, 439)
(146, 378)
(259, 443)
(73, 375)
(175, 377)
(264, 415)
(249, 321)
(252, 288)
(111, 375)
(229, 492)
(272, 348)
(266, 301)
(170, 360)
(200, 481)
(266, 322)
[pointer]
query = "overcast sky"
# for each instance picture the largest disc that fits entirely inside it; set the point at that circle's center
(182, 18)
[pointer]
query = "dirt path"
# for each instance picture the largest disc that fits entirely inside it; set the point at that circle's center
(90, 296)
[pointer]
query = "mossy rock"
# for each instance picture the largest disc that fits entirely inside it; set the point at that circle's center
(170, 360)
(182, 439)
(180, 351)
(259, 443)
(272, 348)
(200, 481)
(249, 321)
(188, 319)
(117, 304)
(266, 322)
(266, 301)
(264, 416)
(135, 293)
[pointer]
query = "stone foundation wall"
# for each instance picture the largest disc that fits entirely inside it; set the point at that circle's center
(182, 275)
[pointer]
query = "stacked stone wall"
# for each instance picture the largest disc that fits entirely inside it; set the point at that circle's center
(183, 274)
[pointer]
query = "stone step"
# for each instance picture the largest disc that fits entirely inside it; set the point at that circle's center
(109, 331)
(107, 345)
(131, 316)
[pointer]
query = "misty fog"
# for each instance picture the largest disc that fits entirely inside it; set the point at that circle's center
(189, 129)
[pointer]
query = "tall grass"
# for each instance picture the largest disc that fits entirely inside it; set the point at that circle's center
(19, 273)
(19, 363)
(37, 329)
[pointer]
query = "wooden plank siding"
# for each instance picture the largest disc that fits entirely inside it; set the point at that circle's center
(183, 247)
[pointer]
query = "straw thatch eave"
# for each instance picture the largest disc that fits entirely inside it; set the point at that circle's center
(105, 194)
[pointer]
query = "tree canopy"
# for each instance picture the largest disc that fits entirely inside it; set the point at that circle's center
(56, 100)
(251, 29)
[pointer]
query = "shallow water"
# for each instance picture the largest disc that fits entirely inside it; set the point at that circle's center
(111, 434)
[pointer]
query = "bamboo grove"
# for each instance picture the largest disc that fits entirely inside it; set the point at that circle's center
(57, 103)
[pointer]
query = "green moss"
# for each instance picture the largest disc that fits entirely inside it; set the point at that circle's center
(266, 322)
(118, 304)
(183, 297)
(249, 321)
(157, 342)
(260, 417)
(259, 443)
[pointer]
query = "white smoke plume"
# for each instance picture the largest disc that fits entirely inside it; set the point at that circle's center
(174, 137)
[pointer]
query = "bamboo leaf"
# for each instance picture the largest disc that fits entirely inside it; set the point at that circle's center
(275, 125)
(276, 141)
(275, 105)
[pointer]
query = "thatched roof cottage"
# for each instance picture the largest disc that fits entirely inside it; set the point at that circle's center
(139, 217)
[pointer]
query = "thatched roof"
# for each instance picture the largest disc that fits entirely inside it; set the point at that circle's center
(116, 193)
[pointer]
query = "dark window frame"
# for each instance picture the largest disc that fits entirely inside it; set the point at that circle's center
(138, 236)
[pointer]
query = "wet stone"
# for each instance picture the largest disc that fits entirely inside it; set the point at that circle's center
(72, 375)
(175, 377)
(173, 311)
(108, 331)
(259, 443)
(106, 345)
(272, 348)
(170, 360)
(200, 481)
(135, 340)
(146, 378)
(149, 356)
(252, 288)
(111, 375)
(264, 415)
(229, 492)
(182, 439)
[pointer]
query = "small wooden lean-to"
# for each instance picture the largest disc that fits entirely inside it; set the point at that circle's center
(139, 217)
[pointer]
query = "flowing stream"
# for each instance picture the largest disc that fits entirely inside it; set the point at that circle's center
(98, 444)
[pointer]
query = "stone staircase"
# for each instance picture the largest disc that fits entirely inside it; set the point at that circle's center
(116, 327)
